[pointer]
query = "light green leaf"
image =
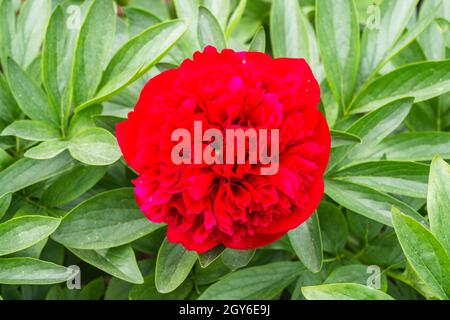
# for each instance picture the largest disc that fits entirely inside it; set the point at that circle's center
(403, 178)
(46, 150)
(341, 138)
(188, 11)
(139, 20)
(236, 259)
(368, 202)
(259, 41)
(357, 273)
(380, 38)
(32, 130)
(93, 46)
(423, 81)
(414, 146)
(27, 172)
(72, 185)
(209, 30)
(439, 201)
(344, 291)
(307, 243)
(219, 9)
(255, 283)
(235, 18)
(338, 33)
(95, 146)
(288, 30)
(173, 265)
(30, 97)
(424, 252)
(23, 232)
(107, 220)
(135, 58)
(119, 262)
(32, 271)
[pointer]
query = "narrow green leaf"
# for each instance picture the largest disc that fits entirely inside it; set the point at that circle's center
(438, 201)
(173, 265)
(32, 130)
(307, 243)
(30, 97)
(92, 49)
(9, 111)
(255, 283)
(341, 138)
(209, 30)
(424, 252)
(139, 20)
(403, 178)
(236, 259)
(107, 220)
(368, 202)
(344, 291)
(235, 18)
(46, 150)
(188, 11)
(23, 232)
(27, 172)
(423, 81)
(259, 41)
(32, 271)
(338, 34)
(95, 146)
(119, 262)
(5, 202)
(219, 9)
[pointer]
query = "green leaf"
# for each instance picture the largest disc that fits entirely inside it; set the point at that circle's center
(404, 178)
(259, 41)
(209, 30)
(379, 39)
(94, 290)
(439, 201)
(255, 283)
(107, 220)
(424, 252)
(23, 232)
(356, 273)
(235, 18)
(219, 9)
(147, 291)
(32, 271)
(288, 30)
(414, 146)
(95, 146)
(188, 11)
(423, 81)
(7, 29)
(32, 130)
(333, 227)
(47, 150)
(307, 243)
(72, 185)
(27, 172)
(344, 291)
(9, 111)
(119, 262)
(135, 58)
(139, 20)
(29, 96)
(173, 265)
(338, 33)
(92, 49)
(210, 256)
(341, 138)
(57, 59)
(368, 202)
(236, 259)
(5, 202)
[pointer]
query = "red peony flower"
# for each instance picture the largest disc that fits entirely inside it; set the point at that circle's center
(205, 205)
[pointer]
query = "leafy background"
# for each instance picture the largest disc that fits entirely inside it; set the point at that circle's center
(70, 70)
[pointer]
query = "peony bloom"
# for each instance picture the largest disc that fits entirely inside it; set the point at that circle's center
(205, 205)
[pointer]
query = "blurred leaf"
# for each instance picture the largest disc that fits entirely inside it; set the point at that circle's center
(32, 271)
(173, 266)
(255, 283)
(307, 243)
(107, 220)
(236, 259)
(338, 33)
(259, 41)
(147, 291)
(344, 291)
(5, 202)
(235, 17)
(95, 146)
(426, 255)
(24, 232)
(209, 30)
(423, 81)
(119, 262)
(439, 201)
(219, 9)
(94, 290)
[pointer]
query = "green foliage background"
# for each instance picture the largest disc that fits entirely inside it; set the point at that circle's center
(70, 70)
